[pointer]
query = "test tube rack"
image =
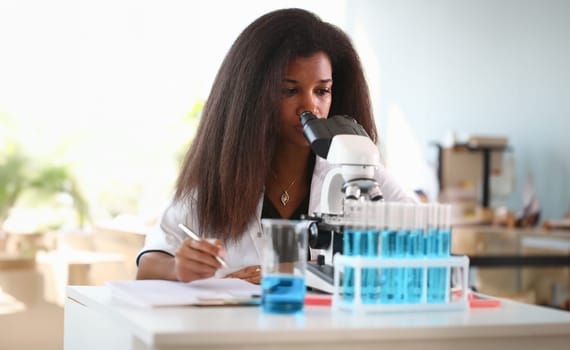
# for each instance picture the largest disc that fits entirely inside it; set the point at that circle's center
(455, 299)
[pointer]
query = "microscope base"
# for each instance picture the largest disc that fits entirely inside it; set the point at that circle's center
(320, 277)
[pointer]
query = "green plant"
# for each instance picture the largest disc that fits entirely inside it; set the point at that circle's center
(39, 182)
(11, 170)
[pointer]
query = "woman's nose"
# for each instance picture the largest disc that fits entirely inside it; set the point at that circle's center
(308, 104)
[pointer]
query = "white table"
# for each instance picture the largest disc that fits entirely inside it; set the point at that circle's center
(93, 320)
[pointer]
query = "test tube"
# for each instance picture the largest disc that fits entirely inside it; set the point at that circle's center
(416, 251)
(349, 248)
(444, 250)
(389, 282)
(432, 251)
(375, 218)
(402, 248)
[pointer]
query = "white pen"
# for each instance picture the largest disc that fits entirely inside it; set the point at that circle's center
(198, 239)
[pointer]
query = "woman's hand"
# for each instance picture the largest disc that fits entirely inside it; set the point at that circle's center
(252, 274)
(196, 259)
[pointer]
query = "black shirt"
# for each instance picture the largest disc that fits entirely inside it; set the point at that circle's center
(270, 212)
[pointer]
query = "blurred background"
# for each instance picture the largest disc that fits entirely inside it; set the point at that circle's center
(100, 99)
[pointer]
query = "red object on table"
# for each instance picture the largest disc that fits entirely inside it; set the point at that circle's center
(318, 299)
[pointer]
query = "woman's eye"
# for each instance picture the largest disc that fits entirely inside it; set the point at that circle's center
(323, 91)
(288, 91)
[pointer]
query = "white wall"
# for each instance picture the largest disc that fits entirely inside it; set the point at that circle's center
(73, 68)
(478, 67)
(104, 85)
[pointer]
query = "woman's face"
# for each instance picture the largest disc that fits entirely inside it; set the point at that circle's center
(307, 86)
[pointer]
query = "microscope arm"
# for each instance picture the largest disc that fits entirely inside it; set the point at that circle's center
(329, 201)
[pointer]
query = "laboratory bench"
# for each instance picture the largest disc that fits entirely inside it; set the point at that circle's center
(95, 320)
(524, 264)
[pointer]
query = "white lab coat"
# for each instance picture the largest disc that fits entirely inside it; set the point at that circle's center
(167, 237)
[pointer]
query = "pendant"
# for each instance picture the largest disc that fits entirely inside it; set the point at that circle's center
(284, 198)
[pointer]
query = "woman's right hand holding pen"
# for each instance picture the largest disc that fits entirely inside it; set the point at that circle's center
(197, 259)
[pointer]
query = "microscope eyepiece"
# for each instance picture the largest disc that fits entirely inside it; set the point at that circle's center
(320, 131)
(307, 116)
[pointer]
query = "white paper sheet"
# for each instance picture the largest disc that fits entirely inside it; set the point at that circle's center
(157, 293)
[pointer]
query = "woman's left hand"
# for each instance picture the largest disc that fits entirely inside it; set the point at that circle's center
(252, 274)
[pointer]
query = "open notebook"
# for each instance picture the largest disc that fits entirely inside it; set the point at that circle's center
(211, 291)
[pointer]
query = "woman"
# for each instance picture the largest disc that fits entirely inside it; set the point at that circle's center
(250, 159)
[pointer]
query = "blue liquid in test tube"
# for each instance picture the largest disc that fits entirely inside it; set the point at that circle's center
(431, 250)
(372, 273)
(388, 294)
(368, 248)
(444, 247)
(348, 249)
(414, 277)
(376, 221)
(439, 235)
(365, 276)
(406, 214)
(389, 281)
(354, 244)
(434, 273)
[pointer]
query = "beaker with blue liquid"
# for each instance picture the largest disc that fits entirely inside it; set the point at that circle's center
(283, 265)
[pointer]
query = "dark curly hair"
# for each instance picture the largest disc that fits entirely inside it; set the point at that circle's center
(231, 155)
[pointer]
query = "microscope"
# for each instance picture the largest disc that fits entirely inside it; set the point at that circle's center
(340, 140)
